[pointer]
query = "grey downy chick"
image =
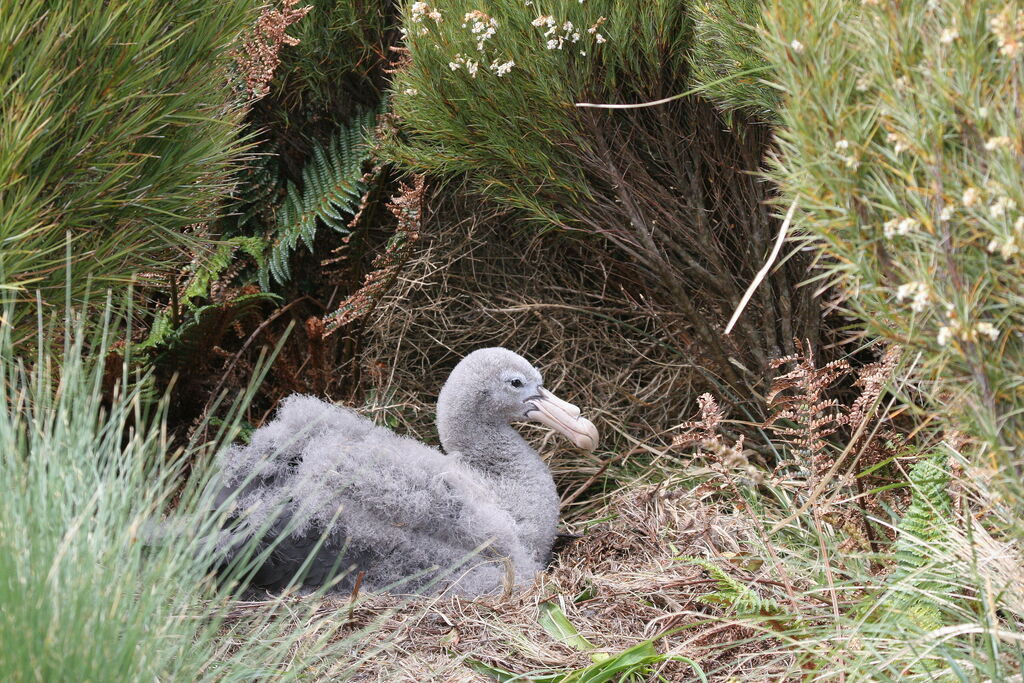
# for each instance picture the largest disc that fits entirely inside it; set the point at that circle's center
(323, 484)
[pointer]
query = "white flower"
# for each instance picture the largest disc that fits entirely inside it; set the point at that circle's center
(454, 66)
(501, 69)
(971, 197)
(917, 292)
(851, 162)
(435, 15)
(554, 44)
(842, 144)
(982, 112)
(944, 336)
(899, 144)
(412, 91)
(947, 212)
(471, 67)
(567, 27)
(987, 329)
(899, 226)
(797, 46)
(544, 19)
(1001, 206)
(863, 84)
(949, 35)
(598, 38)
(1008, 28)
(1007, 248)
(997, 142)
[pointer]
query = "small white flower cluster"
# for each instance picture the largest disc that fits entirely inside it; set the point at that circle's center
(899, 143)
(899, 226)
(461, 60)
(1008, 27)
(566, 33)
(998, 142)
(949, 35)
(971, 197)
(480, 25)
(502, 68)
(418, 12)
(947, 212)
(796, 46)
(1007, 248)
(987, 329)
(918, 294)
(557, 38)
(954, 329)
(1001, 206)
(850, 160)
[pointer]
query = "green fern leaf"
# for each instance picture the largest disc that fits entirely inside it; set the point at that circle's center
(732, 594)
(332, 186)
(918, 580)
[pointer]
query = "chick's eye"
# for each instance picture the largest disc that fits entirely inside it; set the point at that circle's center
(516, 383)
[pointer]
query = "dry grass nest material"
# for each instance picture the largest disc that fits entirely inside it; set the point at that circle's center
(619, 584)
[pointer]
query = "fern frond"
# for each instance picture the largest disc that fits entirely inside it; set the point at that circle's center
(332, 185)
(204, 330)
(917, 581)
(733, 595)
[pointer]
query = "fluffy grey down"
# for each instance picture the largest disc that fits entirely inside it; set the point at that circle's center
(408, 517)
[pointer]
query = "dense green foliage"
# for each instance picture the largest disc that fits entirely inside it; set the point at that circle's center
(668, 192)
(87, 469)
(906, 167)
(925, 524)
(892, 127)
(493, 94)
(332, 185)
(118, 128)
(726, 66)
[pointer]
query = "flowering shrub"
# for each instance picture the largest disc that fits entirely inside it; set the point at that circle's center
(668, 193)
(498, 81)
(907, 169)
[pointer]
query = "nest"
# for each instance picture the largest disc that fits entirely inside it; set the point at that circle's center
(619, 584)
(483, 279)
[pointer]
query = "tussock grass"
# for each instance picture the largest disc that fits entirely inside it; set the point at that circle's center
(86, 466)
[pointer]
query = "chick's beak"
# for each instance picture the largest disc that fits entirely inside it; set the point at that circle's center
(552, 411)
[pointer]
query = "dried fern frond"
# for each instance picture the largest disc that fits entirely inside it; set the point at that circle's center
(703, 430)
(259, 56)
(407, 207)
(801, 414)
